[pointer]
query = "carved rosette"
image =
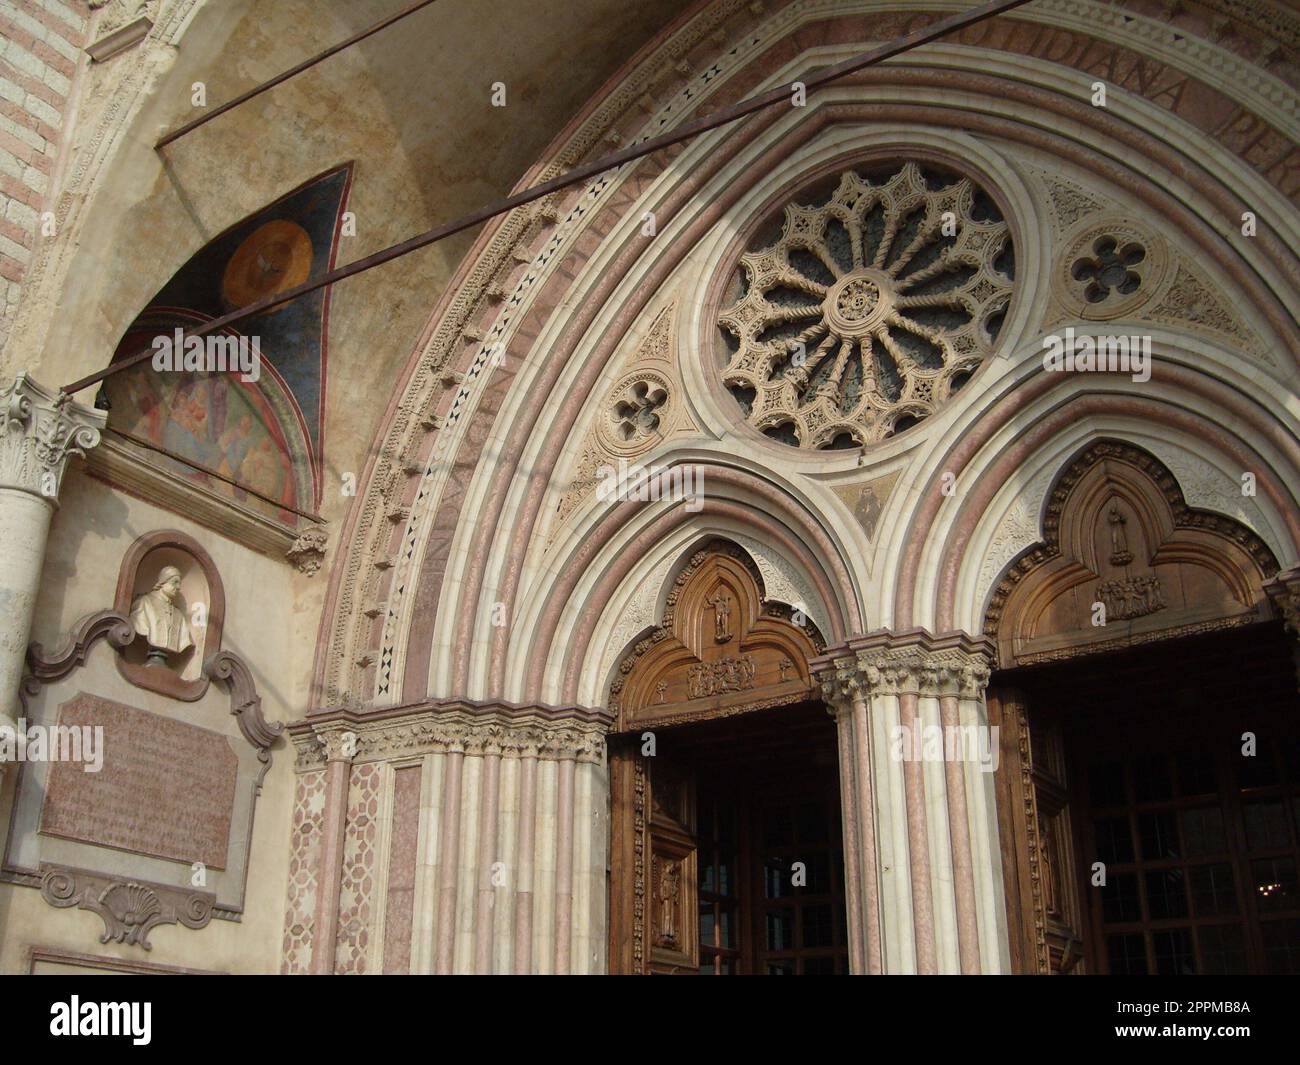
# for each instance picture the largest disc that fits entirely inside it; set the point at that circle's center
(869, 310)
(1110, 267)
(39, 430)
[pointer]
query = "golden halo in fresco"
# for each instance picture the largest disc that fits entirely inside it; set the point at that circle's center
(276, 256)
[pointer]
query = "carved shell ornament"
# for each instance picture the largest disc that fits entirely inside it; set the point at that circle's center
(868, 308)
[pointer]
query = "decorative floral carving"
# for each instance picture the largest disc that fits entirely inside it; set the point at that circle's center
(39, 430)
(869, 309)
(308, 551)
(130, 909)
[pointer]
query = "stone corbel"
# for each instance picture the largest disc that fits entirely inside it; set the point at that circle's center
(245, 704)
(130, 909)
(43, 668)
(308, 550)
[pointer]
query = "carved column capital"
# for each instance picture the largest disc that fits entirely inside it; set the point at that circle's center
(911, 663)
(840, 683)
(39, 430)
(1284, 591)
(338, 742)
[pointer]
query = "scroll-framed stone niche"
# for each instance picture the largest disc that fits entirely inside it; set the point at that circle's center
(189, 612)
(139, 808)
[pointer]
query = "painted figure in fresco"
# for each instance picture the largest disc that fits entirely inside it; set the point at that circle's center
(160, 620)
(235, 445)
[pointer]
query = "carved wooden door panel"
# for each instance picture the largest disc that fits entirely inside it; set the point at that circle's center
(654, 866)
(1038, 845)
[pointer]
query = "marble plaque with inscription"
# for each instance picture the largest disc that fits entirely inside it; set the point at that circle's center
(166, 789)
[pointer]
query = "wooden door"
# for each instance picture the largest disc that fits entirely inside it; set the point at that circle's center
(654, 866)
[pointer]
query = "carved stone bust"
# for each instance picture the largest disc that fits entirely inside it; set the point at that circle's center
(160, 619)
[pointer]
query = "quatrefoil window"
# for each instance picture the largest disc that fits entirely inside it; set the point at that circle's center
(1109, 267)
(862, 310)
(636, 415)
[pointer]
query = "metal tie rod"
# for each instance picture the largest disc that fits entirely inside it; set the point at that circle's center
(779, 95)
(306, 64)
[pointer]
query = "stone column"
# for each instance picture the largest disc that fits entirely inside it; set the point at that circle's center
(338, 744)
(858, 807)
(39, 429)
(918, 776)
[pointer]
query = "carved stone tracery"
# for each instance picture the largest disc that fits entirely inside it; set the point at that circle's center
(869, 309)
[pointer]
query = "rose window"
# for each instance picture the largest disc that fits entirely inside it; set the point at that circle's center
(862, 310)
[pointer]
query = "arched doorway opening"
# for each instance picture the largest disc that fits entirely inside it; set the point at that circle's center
(1149, 787)
(726, 842)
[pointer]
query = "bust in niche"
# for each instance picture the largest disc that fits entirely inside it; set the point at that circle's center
(159, 616)
(169, 590)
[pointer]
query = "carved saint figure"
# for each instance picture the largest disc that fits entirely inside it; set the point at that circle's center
(669, 884)
(721, 617)
(157, 617)
(1120, 555)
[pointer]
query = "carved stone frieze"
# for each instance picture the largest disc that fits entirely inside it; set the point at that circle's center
(468, 728)
(912, 662)
(130, 909)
